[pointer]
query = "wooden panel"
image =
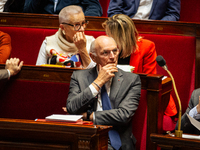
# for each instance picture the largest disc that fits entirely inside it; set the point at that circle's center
(40, 73)
(167, 142)
(95, 23)
(26, 134)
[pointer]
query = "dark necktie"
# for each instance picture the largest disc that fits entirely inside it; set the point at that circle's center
(113, 134)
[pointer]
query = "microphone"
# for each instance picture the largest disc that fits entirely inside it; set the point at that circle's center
(161, 62)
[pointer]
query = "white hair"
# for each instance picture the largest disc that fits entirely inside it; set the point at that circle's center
(66, 12)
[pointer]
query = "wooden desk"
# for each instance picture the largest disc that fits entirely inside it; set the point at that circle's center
(157, 96)
(166, 142)
(16, 134)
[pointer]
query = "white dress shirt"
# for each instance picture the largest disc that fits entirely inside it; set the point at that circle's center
(2, 3)
(98, 94)
(55, 5)
(95, 93)
(143, 10)
(8, 74)
(193, 113)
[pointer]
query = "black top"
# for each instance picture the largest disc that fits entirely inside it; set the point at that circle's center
(123, 61)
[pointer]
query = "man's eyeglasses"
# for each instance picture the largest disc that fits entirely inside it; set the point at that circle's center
(78, 26)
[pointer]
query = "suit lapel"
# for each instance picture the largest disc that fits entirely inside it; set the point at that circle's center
(92, 75)
(137, 3)
(153, 6)
(116, 84)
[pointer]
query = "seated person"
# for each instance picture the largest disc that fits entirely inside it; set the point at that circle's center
(14, 6)
(69, 46)
(90, 7)
(194, 111)
(134, 50)
(5, 46)
(89, 90)
(168, 10)
(13, 66)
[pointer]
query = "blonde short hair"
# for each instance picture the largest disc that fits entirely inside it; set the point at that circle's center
(122, 29)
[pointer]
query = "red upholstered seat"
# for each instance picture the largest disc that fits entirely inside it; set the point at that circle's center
(47, 98)
(179, 53)
(139, 124)
(26, 42)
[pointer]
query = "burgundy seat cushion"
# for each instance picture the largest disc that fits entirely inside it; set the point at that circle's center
(47, 98)
(26, 42)
(139, 126)
(179, 53)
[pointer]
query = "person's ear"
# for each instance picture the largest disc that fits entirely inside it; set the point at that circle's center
(62, 28)
(93, 57)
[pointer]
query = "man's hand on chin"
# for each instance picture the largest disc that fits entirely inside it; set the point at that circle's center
(106, 73)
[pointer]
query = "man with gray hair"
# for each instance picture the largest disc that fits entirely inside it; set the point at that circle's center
(106, 94)
(69, 46)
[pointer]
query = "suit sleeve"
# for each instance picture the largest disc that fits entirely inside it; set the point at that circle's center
(3, 74)
(14, 6)
(123, 113)
(186, 126)
(34, 6)
(115, 7)
(92, 8)
(78, 100)
(173, 10)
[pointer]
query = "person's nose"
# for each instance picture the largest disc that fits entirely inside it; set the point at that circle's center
(82, 29)
(111, 55)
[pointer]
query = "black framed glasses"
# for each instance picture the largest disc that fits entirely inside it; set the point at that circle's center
(78, 26)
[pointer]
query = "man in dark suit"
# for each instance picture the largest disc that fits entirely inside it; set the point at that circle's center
(194, 111)
(12, 68)
(168, 10)
(14, 6)
(90, 7)
(123, 88)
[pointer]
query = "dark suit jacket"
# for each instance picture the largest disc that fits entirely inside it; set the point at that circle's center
(124, 97)
(14, 6)
(161, 9)
(186, 126)
(90, 7)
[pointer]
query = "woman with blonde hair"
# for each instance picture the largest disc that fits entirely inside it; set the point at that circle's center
(134, 50)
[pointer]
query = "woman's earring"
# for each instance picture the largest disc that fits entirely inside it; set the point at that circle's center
(63, 31)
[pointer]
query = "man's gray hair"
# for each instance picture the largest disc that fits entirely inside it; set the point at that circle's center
(66, 12)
